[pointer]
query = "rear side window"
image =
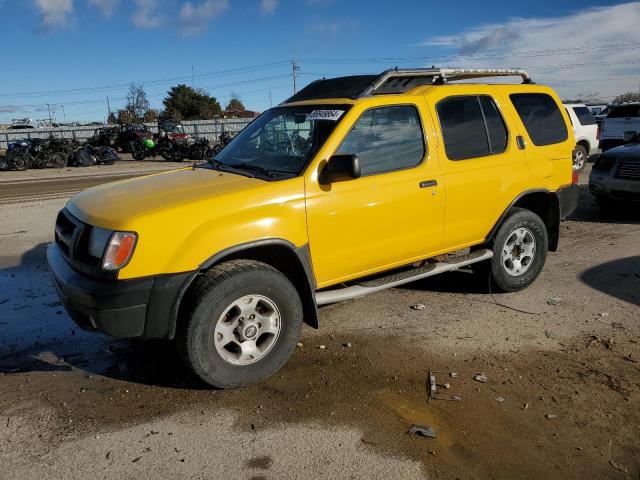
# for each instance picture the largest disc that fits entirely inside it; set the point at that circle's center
(471, 127)
(584, 116)
(625, 111)
(541, 117)
(386, 139)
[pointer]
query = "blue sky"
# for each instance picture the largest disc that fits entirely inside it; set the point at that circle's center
(77, 52)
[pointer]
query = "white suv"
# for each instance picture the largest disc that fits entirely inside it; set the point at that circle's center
(623, 120)
(586, 132)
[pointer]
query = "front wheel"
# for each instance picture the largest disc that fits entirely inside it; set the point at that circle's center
(520, 251)
(240, 323)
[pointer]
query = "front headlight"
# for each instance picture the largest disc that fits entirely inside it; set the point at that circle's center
(98, 239)
(119, 250)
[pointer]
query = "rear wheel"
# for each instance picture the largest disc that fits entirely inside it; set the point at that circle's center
(579, 157)
(519, 253)
(58, 160)
(241, 322)
(19, 162)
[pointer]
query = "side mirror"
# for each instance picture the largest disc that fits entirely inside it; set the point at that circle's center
(340, 167)
(628, 135)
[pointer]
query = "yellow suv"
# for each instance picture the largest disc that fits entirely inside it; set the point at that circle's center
(353, 185)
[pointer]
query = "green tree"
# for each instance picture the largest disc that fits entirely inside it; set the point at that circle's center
(185, 103)
(235, 106)
(627, 97)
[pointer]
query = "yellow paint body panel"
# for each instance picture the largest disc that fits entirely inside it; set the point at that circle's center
(354, 228)
(184, 217)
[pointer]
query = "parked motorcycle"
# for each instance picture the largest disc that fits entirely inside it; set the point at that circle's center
(224, 140)
(201, 150)
(39, 153)
(88, 155)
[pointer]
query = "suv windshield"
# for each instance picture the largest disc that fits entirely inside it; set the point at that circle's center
(282, 140)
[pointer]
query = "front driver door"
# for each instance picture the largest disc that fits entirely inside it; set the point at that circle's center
(391, 215)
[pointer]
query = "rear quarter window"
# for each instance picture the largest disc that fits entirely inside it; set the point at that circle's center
(624, 111)
(584, 116)
(541, 117)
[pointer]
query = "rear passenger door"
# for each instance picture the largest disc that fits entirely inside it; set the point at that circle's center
(545, 134)
(482, 166)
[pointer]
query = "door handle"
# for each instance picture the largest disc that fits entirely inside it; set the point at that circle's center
(520, 142)
(428, 183)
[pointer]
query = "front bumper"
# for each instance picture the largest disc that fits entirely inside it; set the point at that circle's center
(568, 200)
(605, 185)
(142, 308)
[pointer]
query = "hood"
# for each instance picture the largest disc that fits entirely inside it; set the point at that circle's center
(629, 151)
(115, 205)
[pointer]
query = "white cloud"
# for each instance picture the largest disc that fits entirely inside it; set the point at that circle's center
(555, 50)
(268, 7)
(54, 13)
(195, 18)
(147, 14)
(334, 27)
(107, 7)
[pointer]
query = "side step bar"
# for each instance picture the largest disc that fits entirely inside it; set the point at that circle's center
(400, 278)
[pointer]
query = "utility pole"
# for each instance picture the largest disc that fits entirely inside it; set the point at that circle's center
(108, 109)
(49, 108)
(64, 114)
(270, 101)
(192, 79)
(295, 68)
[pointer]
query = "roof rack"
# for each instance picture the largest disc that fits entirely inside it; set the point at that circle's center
(397, 80)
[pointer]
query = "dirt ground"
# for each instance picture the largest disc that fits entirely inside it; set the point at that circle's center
(562, 359)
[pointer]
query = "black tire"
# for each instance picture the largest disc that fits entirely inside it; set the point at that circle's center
(20, 162)
(138, 154)
(607, 203)
(208, 299)
(580, 156)
(504, 275)
(58, 160)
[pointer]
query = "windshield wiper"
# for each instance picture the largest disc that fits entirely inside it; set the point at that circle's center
(255, 168)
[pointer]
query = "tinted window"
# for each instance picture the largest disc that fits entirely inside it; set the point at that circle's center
(624, 111)
(541, 117)
(584, 116)
(471, 127)
(495, 125)
(387, 138)
(463, 128)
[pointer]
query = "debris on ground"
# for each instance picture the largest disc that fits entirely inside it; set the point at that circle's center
(608, 344)
(603, 314)
(322, 347)
(433, 387)
(618, 467)
(347, 345)
(417, 306)
(554, 300)
(499, 399)
(480, 377)
(422, 431)
(300, 345)
(550, 416)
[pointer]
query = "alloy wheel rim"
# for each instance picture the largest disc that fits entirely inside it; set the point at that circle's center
(247, 330)
(518, 252)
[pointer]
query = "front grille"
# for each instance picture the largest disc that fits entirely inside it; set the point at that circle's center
(72, 236)
(66, 233)
(629, 170)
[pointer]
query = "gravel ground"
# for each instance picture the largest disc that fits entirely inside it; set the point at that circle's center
(561, 357)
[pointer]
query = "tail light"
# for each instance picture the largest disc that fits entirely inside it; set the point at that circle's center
(574, 177)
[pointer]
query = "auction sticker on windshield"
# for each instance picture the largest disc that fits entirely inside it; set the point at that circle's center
(332, 115)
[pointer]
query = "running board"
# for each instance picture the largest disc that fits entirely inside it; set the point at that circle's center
(400, 278)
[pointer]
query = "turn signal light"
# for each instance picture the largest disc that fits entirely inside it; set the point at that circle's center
(119, 250)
